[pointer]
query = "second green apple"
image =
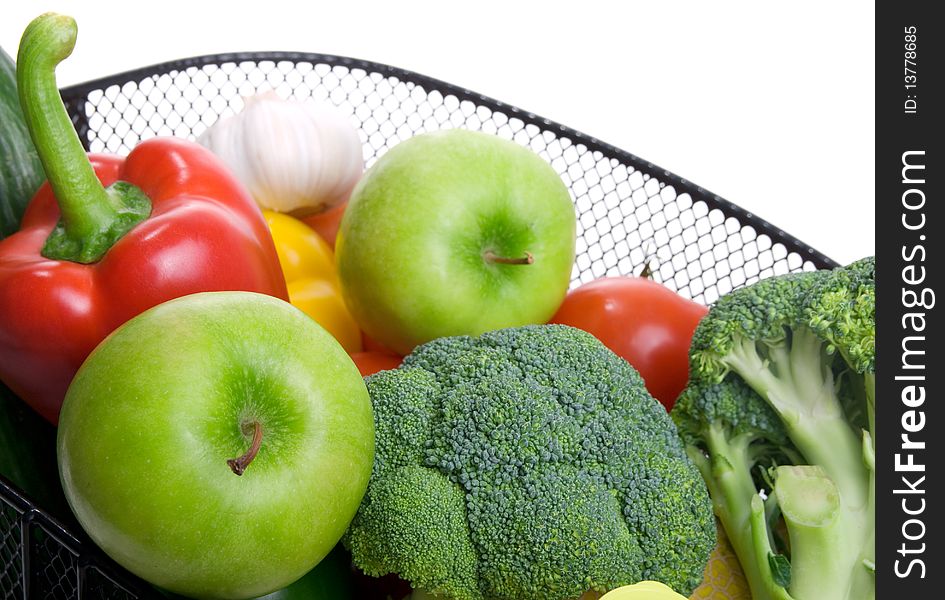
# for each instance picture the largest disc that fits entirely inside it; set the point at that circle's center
(455, 232)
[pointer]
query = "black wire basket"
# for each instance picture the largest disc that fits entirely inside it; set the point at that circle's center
(631, 214)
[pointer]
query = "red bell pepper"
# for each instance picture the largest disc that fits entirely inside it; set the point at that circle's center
(172, 221)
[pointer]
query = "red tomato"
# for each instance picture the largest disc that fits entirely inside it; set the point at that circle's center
(645, 322)
(372, 362)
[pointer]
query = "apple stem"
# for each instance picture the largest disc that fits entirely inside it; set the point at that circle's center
(238, 465)
(492, 257)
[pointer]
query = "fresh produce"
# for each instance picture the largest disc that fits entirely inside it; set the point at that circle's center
(309, 268)
(642, 321)
(20, 170)
(371, 362)
(645, 590)
(455, 232)
(170, 222)
(217, 445)
(326, 224)
(781, 399)
(295, 157)
(527, 463)
(372, 345)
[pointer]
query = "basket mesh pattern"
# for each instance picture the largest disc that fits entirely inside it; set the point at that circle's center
(628, 215)
(55, 565)
(11, 565)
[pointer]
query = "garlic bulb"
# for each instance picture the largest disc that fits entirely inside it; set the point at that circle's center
(294, 157)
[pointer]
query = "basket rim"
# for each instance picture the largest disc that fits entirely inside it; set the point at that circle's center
(74, 95)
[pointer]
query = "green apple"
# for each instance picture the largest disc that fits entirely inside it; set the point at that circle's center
(166, 413)
(455, 232)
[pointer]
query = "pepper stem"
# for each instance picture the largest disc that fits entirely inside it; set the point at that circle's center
(238, 465)
(490, 256)
(93, 218)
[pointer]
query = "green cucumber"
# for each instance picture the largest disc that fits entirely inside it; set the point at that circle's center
(21, 173)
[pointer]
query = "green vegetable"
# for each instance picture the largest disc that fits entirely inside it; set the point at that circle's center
(527, 463)
(21, 173)
(782, 374)
(28, 454)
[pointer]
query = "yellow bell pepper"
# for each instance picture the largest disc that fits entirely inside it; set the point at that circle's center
(308, 265)
(645, 590)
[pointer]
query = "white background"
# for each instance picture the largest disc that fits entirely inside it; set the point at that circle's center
(769, 105)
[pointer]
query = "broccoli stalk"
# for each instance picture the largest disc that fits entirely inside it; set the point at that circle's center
(732, 433)
(785, 338)
(796, 380)
(727, 472)
(764, 555)
(864, 579)
(841, 308)
(821, 545)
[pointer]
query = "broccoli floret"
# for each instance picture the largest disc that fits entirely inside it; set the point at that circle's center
(412, 523)
(730, 406)
(781, 374)
(536, 458)
(841, 309)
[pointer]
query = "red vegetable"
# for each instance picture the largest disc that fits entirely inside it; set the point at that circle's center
(646, 323)
(372, 345)
(88, 258)
(371, 362)
(326, 223)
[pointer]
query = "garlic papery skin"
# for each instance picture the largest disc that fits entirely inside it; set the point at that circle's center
(295, 157)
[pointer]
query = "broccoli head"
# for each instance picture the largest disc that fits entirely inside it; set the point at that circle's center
(527, 463)
(781, 376)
